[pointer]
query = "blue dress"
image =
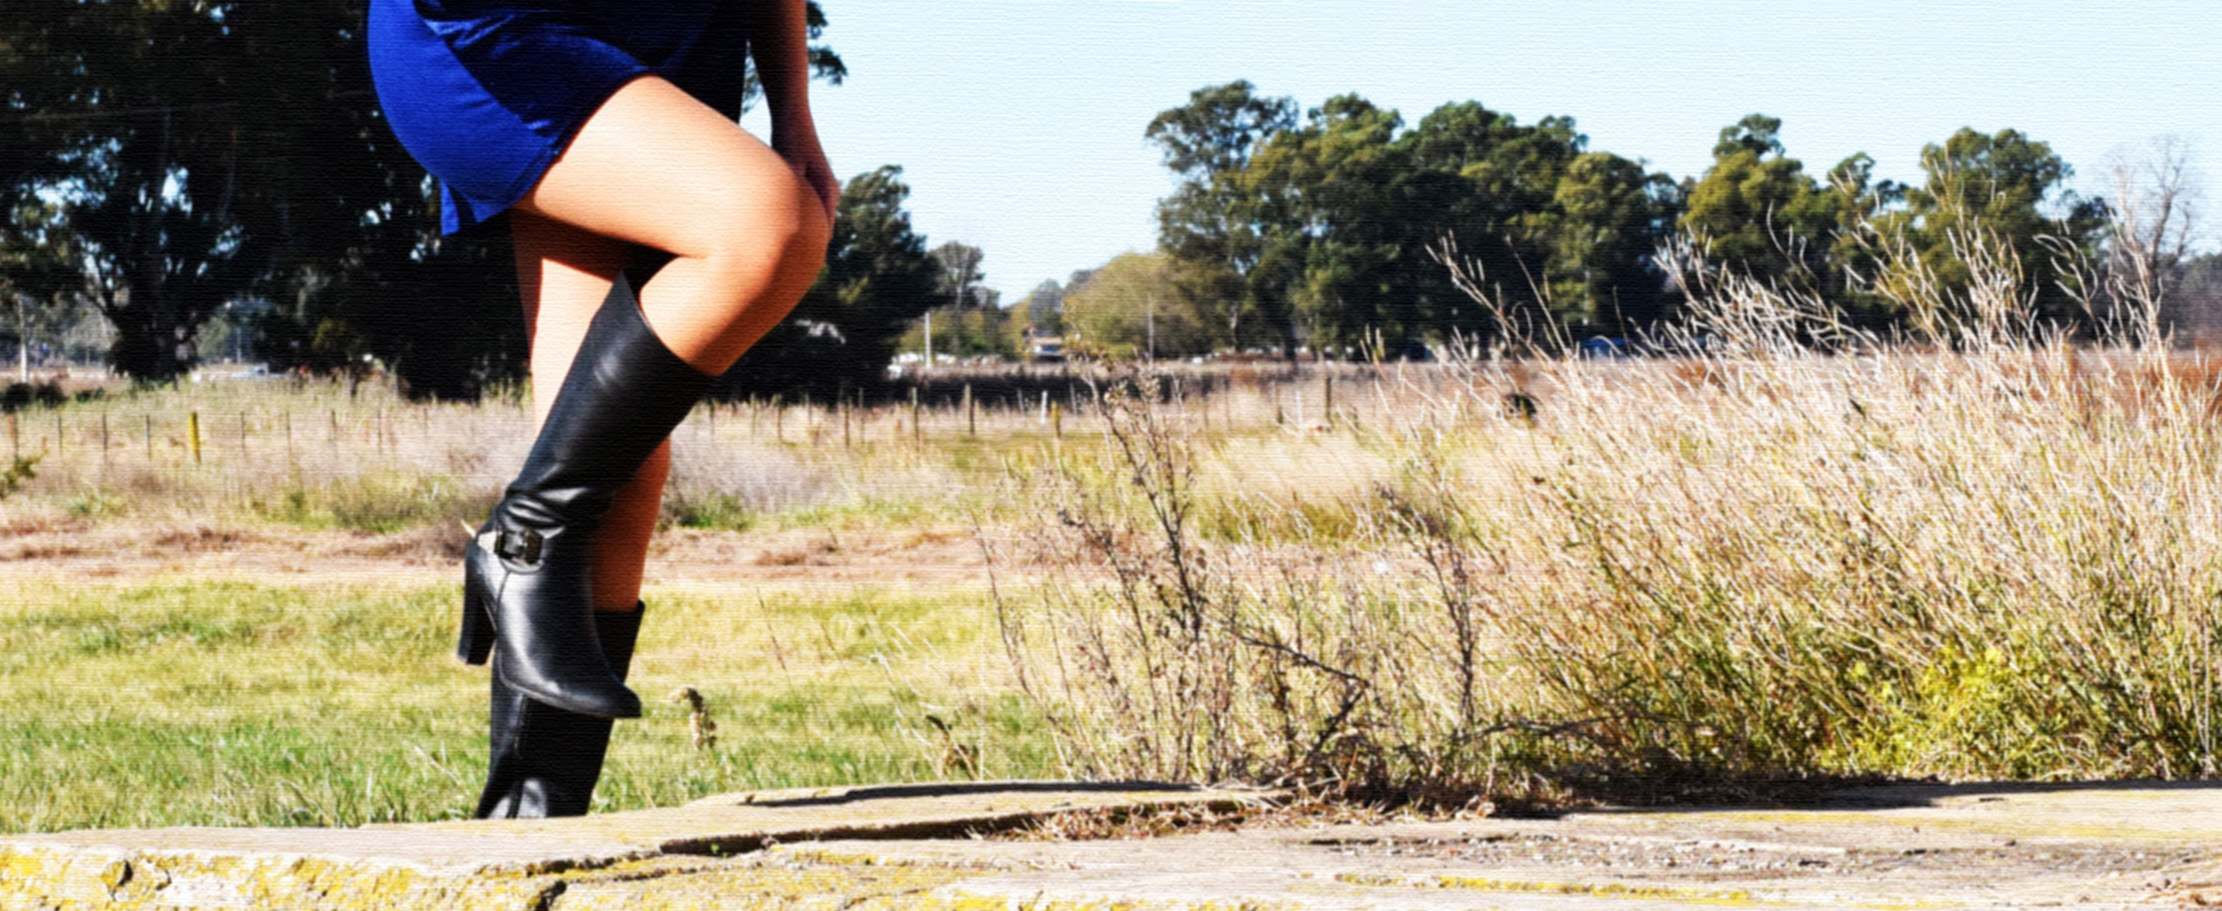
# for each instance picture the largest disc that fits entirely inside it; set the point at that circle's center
(486, 94)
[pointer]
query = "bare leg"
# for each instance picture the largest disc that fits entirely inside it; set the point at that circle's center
(655, 167)
(563, 273)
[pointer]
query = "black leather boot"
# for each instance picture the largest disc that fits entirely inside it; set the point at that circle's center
(545, 761)
(526, 590)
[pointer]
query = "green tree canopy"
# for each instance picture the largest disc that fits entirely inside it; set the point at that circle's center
(211, 151)
(206, 151)
(1322, 231)
(1215, 225)
(1757, 212)
(1135, 306)
(2011, 191)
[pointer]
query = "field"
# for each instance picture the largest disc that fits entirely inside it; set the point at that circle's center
(1508, 580)
(232, 603)
(262, 635)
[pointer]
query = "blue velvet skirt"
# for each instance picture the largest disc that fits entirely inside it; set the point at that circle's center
(486, 94)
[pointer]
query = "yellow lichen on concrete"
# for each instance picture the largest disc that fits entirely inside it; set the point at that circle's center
(28, 877)
(1736, 897)
(63, 881)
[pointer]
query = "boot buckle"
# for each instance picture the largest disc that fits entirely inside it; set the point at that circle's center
(521, 546)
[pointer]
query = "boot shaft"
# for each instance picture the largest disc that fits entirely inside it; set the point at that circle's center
(621, 398)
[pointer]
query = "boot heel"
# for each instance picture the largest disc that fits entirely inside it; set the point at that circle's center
(475, 641)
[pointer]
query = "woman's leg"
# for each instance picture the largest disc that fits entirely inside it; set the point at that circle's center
(747, 235)
(655, 167)
(543, 760)
(563, 274)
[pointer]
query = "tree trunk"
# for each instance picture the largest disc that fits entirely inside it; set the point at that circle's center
(151, 340)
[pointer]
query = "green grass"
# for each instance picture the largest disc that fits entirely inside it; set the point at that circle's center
(378, 502)
(213, 703)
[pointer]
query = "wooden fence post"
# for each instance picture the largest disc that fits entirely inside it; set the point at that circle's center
(1329, 408)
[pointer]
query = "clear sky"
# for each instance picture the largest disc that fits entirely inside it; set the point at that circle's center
(1018, 123)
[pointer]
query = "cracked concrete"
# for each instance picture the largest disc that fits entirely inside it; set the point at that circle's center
(1914, 846)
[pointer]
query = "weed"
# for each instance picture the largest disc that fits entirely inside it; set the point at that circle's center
(714, 511)
(1796, 553)
(93, 504)
(379, 503)
(19, 470)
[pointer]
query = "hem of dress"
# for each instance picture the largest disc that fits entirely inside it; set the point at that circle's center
(549, 153)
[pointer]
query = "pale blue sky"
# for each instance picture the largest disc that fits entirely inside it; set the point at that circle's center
(1019, 122)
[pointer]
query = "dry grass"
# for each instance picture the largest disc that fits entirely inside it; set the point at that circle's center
(1525, 579)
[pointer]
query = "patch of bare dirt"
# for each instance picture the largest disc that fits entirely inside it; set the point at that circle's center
(123, 549)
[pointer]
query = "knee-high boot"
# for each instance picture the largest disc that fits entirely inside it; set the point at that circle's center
(546, 760)
(526, 590)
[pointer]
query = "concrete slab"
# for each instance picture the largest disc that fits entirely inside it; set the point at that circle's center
(1973, 846)
(510, 863)
(2012, 846)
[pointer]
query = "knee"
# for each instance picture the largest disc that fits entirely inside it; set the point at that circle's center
(780, 229)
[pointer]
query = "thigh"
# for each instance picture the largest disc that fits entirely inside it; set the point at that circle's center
(653, 166)
(563, 274)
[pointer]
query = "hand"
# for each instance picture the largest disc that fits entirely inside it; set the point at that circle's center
(800, 148)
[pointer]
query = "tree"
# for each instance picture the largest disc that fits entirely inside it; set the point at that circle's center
(960, 274)
(968, 332)
(1335, 184)
(1994, 191)
(214, 150)
(2197, 298)
(2153, 216)
(1045, 308)
(878, 279)
(1757, 213)
(1493, 183)
(179, 136)
(1211, 223)
(39, 282)
(102, 83)
(1135, 307)
(1607, 219)
(1554, 232)
(1339, 217)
